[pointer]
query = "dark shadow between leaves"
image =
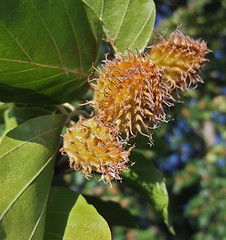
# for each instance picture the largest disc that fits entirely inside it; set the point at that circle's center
(60, 203)
(29, 96)
(22, 95)
(114, 214)
(2, 232)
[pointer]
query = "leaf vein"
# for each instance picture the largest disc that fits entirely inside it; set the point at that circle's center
(81, 74)
(102, 10)
(39, 80)
(28, 140)
(139, 33)
(16, 72)
(75, 36)
(120, 25)
(39, 218)
(17, 42)
(25, 187)
(50, 34)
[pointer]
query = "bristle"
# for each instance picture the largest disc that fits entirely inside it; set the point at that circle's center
(93, 147)
(182, 58)
(130, 92)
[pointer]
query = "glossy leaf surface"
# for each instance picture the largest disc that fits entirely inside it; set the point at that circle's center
(128, 24)
(47, 49)
(26, 165)
(69, 216)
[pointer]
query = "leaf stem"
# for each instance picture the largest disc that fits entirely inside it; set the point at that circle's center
(74, 112)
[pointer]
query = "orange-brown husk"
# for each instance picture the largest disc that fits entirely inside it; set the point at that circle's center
(182, 58)
(130, 94)
(93, 147)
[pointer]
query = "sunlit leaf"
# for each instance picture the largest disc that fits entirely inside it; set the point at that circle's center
(71, 217)
(4, 107)
(18, 115)
(26, 165)
(85, 223)
(10, 121)
(128, 24)
(60, 202)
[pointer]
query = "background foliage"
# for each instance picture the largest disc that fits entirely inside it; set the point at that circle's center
(45, 61)
(194, 162)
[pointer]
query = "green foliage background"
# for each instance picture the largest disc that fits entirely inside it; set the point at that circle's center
(194, 161)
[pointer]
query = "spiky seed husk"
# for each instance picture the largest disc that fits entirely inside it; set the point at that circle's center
(182, 58)
(130, 94)
(93, 147)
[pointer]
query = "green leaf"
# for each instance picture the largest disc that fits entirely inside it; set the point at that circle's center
(145, 179)
(25, 113)
(4, 107)
(2, 130)
(10, 121)
(70, 217)
(85, 223)
(128, 24)
(60, 202)
(26, 165)
(47, 49)
(17, 115)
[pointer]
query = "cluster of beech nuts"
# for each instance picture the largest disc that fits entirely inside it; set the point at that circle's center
(130, 97)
